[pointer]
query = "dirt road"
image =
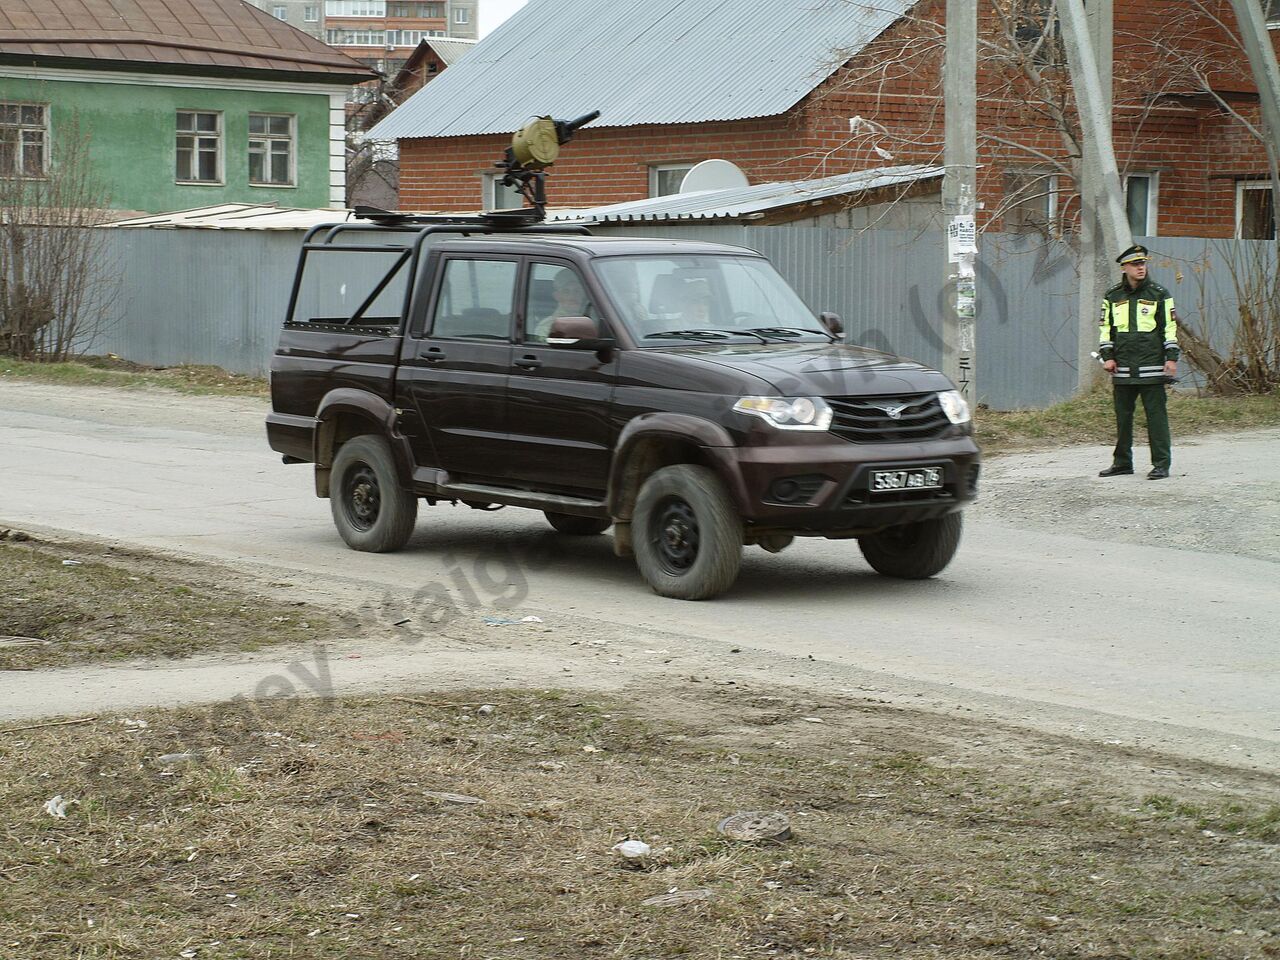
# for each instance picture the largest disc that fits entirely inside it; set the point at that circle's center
(1117, 610)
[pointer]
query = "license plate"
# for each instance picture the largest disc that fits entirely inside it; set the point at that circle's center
(917, 478)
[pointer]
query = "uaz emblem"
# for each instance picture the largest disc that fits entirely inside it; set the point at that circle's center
(894, 410)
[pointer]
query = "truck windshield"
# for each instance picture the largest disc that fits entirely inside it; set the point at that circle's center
(703, 298)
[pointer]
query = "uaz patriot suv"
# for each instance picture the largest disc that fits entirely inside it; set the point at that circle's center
(678, 391)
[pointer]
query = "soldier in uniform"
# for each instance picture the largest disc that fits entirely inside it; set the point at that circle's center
(1139, 348)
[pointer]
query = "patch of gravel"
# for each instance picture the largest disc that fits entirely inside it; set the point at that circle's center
(1223, 496)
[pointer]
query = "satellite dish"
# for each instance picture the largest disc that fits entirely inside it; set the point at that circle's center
(713, 175)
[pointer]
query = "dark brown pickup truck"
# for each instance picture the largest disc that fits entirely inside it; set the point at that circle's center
(677, 391)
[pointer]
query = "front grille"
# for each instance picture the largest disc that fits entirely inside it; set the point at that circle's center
(867, 419)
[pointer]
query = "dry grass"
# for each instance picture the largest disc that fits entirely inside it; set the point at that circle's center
(115, 605)
(1089, 418)
(305, 831)
(111, 371)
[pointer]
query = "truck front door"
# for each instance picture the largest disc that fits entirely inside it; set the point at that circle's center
(559, 401)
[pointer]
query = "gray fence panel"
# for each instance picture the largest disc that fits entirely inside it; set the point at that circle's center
(195, 296)
(1208, 277)
(192, 296)
(888, 285)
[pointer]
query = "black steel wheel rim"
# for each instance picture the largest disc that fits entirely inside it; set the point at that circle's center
(675, 536)
(361, 496)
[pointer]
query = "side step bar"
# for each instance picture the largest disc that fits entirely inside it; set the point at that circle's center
(556, 503)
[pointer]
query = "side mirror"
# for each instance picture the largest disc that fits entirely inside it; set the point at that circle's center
(577, 333)
(832, 323)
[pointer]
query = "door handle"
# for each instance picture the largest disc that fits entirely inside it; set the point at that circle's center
(529, 363)
(431, 354)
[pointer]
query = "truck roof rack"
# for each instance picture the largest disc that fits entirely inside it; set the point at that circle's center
(373, 220)
(494, 219)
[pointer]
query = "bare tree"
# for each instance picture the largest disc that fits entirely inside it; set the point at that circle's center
(56, 289)
(1029, 137)
(1250, 363)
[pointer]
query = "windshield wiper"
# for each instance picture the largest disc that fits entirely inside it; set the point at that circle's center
(709, 333)
(789, 332)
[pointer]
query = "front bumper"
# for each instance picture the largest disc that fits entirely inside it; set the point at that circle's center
(830, 484)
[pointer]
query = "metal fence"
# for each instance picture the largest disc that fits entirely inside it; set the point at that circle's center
(219, 297)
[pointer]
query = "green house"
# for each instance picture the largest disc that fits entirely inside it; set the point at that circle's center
(226, 105)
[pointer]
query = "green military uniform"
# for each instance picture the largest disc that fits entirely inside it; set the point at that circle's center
(1139, 331)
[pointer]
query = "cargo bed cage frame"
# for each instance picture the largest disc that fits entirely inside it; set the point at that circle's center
(417, 228)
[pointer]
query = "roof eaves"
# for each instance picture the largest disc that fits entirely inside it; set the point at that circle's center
(187, 69)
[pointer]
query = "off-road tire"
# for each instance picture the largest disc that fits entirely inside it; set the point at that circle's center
(914, 551)
(675, 502)
(371, 510)
(572, 526)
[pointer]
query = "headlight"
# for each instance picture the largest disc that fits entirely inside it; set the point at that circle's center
(798, 413)
(954, 406)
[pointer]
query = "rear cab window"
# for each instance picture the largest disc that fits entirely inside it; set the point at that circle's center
(350, 287)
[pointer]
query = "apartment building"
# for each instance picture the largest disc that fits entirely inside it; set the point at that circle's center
(384, 33)
(379, 33)
(304, 15)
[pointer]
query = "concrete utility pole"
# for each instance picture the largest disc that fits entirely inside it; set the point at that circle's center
(959, 197)
(1093, 104)
(1266, 74)
(1096, 260)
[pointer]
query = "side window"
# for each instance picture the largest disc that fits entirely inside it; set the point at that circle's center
(554, 291)
(476, 298)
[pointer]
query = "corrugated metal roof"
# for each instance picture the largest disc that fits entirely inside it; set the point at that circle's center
(641, 62)
(450, 50)
(236, 216)
(706, 205)
(136, 34)
(748, 201)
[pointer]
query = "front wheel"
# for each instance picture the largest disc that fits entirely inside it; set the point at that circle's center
(914, 551)
(687, 536)
(371, 510)
(573, 526)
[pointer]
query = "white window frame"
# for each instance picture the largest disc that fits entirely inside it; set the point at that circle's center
(19, 173)
(657, 168)
(461, 16)
(280, 11)
(311, 13)
(291, 138)
(355, 8)
(492, 184)
(218, 135)
(1241, 187)
(1153, 198)
(356, 38)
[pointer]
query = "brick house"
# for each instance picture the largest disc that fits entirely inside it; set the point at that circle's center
(843, 87)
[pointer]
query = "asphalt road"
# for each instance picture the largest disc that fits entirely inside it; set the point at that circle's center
(1106, 607)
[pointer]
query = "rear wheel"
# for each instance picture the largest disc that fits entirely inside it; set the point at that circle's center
(577, 526)
(914, 551)
(370, 509)
(687, 536)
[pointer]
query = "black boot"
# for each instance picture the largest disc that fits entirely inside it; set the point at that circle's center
(1114, 471)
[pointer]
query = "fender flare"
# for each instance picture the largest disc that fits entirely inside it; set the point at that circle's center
(710, 438)
(367, 406)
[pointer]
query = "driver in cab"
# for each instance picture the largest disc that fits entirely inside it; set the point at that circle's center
(571, 301)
